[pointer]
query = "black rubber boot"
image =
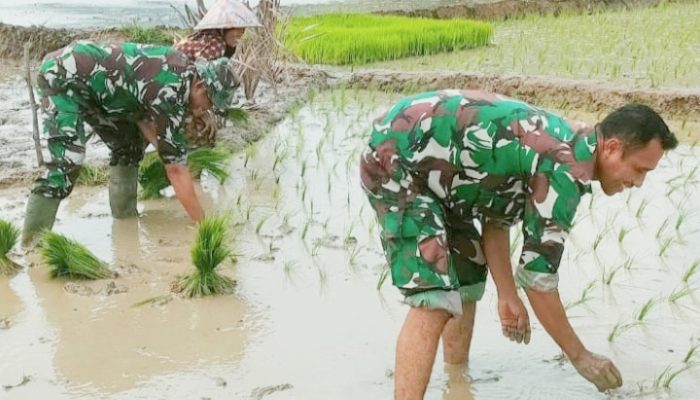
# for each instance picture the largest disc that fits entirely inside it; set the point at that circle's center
(122, 191)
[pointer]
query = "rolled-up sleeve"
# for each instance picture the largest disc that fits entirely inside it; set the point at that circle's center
(549, 213)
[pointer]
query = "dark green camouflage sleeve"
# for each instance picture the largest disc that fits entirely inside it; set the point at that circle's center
(563, 168)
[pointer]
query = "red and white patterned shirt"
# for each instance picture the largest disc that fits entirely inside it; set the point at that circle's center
(206, 44)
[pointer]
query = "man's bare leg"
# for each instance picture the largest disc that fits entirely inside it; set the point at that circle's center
(457, 335)
(415, 351)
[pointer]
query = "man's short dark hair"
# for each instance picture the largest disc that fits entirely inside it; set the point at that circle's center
(636, 125)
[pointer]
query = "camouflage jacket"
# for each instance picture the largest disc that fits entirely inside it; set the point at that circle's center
(499, 160)
(125, 82)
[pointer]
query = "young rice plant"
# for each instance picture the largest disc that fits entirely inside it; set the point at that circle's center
(8, 237)
(67, 258)
(209, 251)
(350, 39)
(153, 178)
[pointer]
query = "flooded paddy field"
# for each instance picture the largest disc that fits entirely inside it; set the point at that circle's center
(307, 320)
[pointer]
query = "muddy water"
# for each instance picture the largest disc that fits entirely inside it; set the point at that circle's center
(307, 321)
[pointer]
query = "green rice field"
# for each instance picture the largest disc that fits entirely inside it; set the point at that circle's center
(653, 47)
(342, 39)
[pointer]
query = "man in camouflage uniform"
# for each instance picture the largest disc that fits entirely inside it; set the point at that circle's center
(131, 95)
(442, 164)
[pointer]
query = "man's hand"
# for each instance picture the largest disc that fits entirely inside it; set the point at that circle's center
(515, 322)
(598, 370)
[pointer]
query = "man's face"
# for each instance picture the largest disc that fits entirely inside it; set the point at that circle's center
(619, 169)
(233, 36)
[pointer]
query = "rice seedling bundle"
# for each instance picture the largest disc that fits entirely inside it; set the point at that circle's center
(8, 237)
(67, 258)
(359, 38)
(153, 178)
(93, 176)
(209, 251)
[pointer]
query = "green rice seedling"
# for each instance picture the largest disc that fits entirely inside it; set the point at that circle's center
(622, 234)
(680, 293)
(353, 255)
(352, 39)
(667, 376)
(260, 224)
(93, 176)
(209, 251)
(640, 210)
(611, 275)
(646, 309)
(250, 152)
(690, 354)
(665, 246)
(383, 276)
(661, 229)
(598, 240)
(67, 258)
(9, 234)
(628, 263)
(618, 329)
(691, 271)
(305, 229)
(584, 297)
(214, 161)
(153, 177)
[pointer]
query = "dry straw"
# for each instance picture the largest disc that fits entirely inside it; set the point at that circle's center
(358, 38)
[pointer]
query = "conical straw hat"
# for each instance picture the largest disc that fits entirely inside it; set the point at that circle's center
(228, 14)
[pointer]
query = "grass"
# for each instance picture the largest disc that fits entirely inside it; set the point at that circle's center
(139, 34)
(93, 176)
(67, 258)
(209, 251)
(575, 46)
(680, 293)
(9, 234)
(351, 39)
(153, 177)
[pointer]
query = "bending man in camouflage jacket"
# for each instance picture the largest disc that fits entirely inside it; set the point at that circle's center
(131, 95)
(438, 162)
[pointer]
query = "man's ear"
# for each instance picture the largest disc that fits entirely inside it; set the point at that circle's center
(614, 145)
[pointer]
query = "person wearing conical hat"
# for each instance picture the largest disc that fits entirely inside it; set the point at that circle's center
(131, 95)
(219, 31)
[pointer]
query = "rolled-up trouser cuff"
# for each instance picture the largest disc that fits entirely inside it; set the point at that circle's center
(448, 300)
(538, 281)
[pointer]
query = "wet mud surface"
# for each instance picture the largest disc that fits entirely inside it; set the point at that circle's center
(306, 320)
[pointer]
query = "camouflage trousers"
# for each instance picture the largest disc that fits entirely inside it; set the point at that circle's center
(435, 256)
(66, 109)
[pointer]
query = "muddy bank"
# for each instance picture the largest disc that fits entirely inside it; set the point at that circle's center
(500, 10)
(591, 96)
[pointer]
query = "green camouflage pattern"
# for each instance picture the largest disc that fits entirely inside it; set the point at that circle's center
(220, 80)
(440, 161)
(111, 87)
